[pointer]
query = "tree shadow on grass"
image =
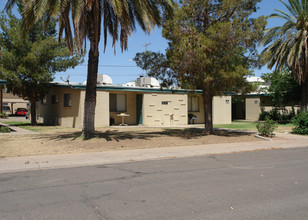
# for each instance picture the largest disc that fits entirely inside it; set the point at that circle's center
(116, 135)
(109, 135)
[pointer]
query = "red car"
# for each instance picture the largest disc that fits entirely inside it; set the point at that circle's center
(21, 111)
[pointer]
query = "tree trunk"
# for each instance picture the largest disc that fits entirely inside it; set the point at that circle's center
(208, 116)
(33, 109)
(304, 99)
(1, 98)
(94, 26)
(90, 99)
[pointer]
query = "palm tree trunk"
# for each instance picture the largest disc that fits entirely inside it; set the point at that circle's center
(208, 114)
(304, 99)
(90, 99)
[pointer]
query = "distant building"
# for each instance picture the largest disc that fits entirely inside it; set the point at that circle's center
(249, 106)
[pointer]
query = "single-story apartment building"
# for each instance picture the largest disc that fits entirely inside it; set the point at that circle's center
(14, 102)
(249, 106)
(9, 101)
(64, 105)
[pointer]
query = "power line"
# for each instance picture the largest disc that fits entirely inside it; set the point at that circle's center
(108, 74)
(112, 66)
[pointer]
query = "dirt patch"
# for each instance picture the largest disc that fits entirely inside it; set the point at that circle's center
(67, 141)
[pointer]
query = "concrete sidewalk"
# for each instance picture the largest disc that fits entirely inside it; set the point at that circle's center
(17, 130)
(17, 164)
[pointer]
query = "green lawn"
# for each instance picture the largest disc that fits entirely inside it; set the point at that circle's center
(17, 123)
(251, 126)
(27, 125)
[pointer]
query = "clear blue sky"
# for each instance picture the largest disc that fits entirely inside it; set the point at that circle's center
(121, 69)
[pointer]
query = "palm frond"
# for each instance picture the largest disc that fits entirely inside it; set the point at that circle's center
(282, 15)
(290, 9)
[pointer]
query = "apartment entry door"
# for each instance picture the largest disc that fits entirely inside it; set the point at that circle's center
(139, 98)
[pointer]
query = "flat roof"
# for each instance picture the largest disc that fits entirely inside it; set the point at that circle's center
(2, 82)
(127, 88)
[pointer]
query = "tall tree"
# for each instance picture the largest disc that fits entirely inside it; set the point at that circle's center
(212, 45)
(156, 65)
(28, 63)
(283, 88)
(287, 45)
(118, 17)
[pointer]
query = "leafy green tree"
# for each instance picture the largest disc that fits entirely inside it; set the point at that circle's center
(156, 65)
(29, 63)
(287, 45)
(212, 45)
(283, 88)
(89, 19)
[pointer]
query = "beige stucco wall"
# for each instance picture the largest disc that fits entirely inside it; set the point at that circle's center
(286, 109)
(101, 109)
(252, 108)
(222, 111)
(57, 114)
(131, 103)
(155, 111)
(267, 105)
(157, 114)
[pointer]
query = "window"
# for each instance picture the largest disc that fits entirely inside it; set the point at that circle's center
(67, 100)
(54, 99)
(117, 102)
(193, 103)
(44, 100)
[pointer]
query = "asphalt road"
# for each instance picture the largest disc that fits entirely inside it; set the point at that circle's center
(255, 185)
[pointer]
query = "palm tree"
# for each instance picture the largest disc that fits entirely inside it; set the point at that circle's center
(287, 45)
(89, 17)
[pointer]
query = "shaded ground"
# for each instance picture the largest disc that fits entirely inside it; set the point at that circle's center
(58, 140)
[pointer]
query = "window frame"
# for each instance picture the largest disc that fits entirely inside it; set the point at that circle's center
(190, 103)
(44, 100)
(54, 99)
(115, 99)
(67, 104)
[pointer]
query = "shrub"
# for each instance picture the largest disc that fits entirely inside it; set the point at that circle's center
(301, 123)
(3, 115)
(4, 129)
(267, 128)
(263, 115)
(275, 115)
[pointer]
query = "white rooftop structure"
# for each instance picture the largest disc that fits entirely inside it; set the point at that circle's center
(129, 84)
(147, 82)
(102, 79)
(255, 79)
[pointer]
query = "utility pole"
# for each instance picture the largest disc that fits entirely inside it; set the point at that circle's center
(146, 47)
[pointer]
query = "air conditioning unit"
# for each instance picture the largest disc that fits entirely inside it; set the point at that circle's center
(104, 79)
(147, 82)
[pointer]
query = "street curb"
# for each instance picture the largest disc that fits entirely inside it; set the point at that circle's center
(264, 138)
